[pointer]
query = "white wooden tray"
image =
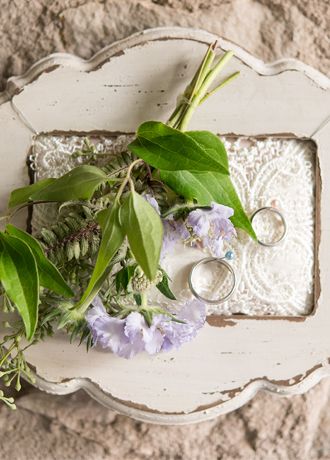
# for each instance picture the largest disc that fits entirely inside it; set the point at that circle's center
(125, 84)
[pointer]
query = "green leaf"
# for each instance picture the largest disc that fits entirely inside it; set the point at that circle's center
(208, 187)
(211, 144)
(124, 276)
(144, 231)
(23, 195)
(112, 238)
(172, 150)
(138, 299)
(78, 184)
(19, 278)
(49, 275)
(164, 288)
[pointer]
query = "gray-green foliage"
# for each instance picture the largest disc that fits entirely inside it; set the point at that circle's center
(74, 236)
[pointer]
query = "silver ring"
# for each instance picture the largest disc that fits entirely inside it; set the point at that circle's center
(278, 213)
(207, 260)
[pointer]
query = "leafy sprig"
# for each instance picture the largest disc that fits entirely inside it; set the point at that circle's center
(103, 222)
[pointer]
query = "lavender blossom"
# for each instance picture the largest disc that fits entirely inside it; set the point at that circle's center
(152, 201)
(109, 332)
(132, 335)
(212, 226)
(193, 313)
(136, 329)
(174, 231)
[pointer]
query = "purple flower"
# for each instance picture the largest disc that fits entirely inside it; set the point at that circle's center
(132, 335)
(109, 332)
(212, 226)
(193, 313)
(174, 231)
(152, 201)
(136, 329)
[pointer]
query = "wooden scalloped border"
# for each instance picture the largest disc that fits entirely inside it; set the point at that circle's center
(242, 395)
(144, 414)
(15, 84)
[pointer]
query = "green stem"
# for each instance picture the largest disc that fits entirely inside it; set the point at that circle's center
(178, 207)
(197, 90)
(227, 80)
(193, 86)
(113, 173)
(144, 300)
(3, 359)
(127, 179)
(201, 92)
(175, 115)
(10, 215)
(205, 67)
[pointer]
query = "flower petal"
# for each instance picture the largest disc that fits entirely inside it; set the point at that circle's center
(152, 201)
(154, 341)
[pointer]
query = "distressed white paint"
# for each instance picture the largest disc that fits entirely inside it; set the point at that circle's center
(245, 354)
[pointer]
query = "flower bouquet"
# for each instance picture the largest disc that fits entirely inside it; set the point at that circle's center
(90, 272)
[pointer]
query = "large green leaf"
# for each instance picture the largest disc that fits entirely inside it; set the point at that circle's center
(49, 275)
(19, 278)
(144, 231)
(172, 150)
(78, 184)
(112, 238)
(211, 144)
(22, 195)
(208, 187)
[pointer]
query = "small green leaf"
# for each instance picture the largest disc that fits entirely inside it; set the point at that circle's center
(19, 278)
(112, 238)
(23, 195)
(144, 231)
(164, 288)
(148, 316)
(124, 276)
(172, 150)
(49, 275)
(207, 187)
(138, 299)
(78, 184)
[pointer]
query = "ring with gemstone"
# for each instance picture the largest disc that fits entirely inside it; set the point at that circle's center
(278, 213)
(207, 261)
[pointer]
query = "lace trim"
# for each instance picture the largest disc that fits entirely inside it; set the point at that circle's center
(271, 281)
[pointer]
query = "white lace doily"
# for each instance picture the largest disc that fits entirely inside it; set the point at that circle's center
(271, 281)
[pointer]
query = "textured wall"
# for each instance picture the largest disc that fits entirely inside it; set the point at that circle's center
(75, 427)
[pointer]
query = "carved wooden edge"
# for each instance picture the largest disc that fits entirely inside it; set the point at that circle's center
(241, 395)
(51, 62)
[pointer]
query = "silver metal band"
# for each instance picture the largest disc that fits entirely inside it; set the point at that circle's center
(205, 261)
(278, 213)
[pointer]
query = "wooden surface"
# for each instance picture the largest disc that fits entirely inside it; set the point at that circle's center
(136, 80)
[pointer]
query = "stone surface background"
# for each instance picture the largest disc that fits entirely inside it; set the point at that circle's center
(75, 427)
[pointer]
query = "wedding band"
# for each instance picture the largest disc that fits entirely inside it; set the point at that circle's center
(206, 261)
(280, 215)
